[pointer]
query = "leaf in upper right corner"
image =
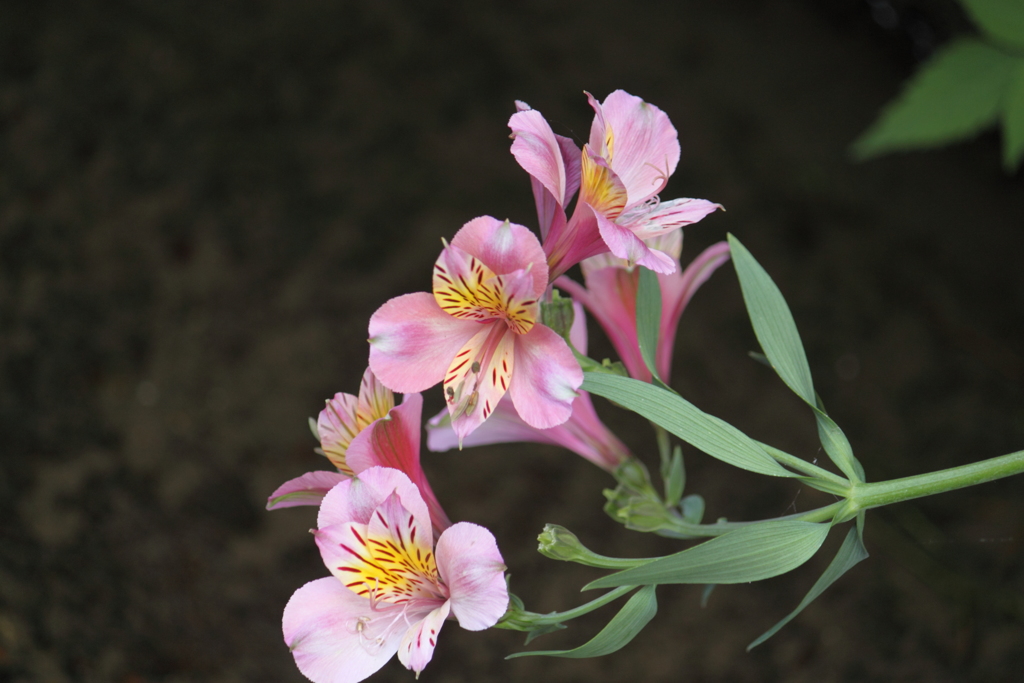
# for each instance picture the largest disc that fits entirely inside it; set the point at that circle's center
(955, 95)
(1013, 119)
(850, 553)
(1001, 20)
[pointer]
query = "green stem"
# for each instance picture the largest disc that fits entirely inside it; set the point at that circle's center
(863, 496)
(681, 529)
(559, 617)
(801, 465)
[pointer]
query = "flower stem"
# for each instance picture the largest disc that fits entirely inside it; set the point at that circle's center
(870, 495)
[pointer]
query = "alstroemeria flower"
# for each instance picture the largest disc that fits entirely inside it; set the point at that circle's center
(583, 433)
(633, 149)
(391, 589)
(479, 332)
(610, 296)
(357, 433)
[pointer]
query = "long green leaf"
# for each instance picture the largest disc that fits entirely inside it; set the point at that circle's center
(1002, 20)
(776, 332)
(1013, 119)
(648, 318)
(773, 322)
(715, 437)
(751, 553)
(850, 553)
(952, 97)
(623, 627)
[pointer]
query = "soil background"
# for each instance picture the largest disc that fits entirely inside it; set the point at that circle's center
(201, 203)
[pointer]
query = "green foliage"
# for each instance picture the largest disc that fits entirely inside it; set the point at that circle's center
(850, 553)
(715, 437)
(776, 331)
(750, 553)
(1000, 20)
(623, 627)
(648, 320)
(1013, 120)
(966, 87)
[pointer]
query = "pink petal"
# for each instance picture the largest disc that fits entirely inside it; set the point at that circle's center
(418, 643)
(336, 425)
(578, 331)
(412, 341)
(579, 239)
(394, 442)
(668, 216)
(375, 399)
(676, 291)
(537, 150)
(546, 378)
(333, 633)
(645, 147)
(480, 375)
(624, 244)
(503, 426)
(504, 248)
(309, 489)
(610, 296)
(471, 566)
(356, 499)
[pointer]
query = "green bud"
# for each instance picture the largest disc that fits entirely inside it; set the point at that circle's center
(559, 543)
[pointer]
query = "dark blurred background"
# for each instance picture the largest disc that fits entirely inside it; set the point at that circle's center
(201, 203)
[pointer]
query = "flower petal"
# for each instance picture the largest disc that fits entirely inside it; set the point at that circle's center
(668, 216)
(504, 247)
(375, 399)
(480, 375)
(537, 150)
(546, 378)
(644, 146)
(412, 341)
(610, 296)
(334, 635)
(336, 426)
(676, 291)
(471, 566)
(624, 244)
(356, 499)
(418, 643)
(394, 441)
(309, 489)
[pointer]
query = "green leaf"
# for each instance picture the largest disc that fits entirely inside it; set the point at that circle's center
(837, 446)
(953, 96)
(776, 331)
(773, 323)
(1013, 120)
(648, 318)
(851, 552)
(1001, 20)
(623, 627)
(750, 553)
(693, 508)
(715, 437)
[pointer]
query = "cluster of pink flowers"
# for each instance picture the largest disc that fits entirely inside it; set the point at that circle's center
(399, 566)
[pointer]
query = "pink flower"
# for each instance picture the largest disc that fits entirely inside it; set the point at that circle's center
(391, 590)
(610, 296)
(357, 433)
(479, 332)
(633, 149)
(583, 433)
